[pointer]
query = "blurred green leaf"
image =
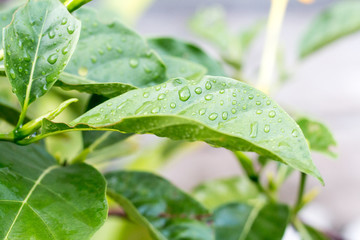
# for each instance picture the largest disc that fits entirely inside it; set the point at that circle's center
(167, 46)
(153, 202)
(319, 136)
(217, 192)
(335, 22)
(240, 221)
(178, 67)
(110, 59)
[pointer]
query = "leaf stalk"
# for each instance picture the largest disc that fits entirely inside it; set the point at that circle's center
(73, 5)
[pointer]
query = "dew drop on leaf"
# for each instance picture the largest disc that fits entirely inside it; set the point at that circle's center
(133, 63)
(83, 71)
(253, 129)
(64, 21)
(295, 133)
(258, 103)
(224, 115)
(267, 128)
(93, 59)
(222, 91)
(259, 111)
(251, 96)
(208, 97)
(272, 114)
(233, 110)
(184, 94)
(146, 95)
(70, 29)
(155, 110)
(208, 85)
(12, 73)
(20, 69)
(52, 58)
(202, 111)
(198, 90)
(213, 116)
(161, 96)
(173, 105)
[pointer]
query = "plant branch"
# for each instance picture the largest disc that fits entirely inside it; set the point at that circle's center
(72, 5)
(299, 201)
(7, 137)
(276, 17)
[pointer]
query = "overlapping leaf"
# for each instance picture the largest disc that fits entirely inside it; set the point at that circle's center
(319, 136)
(38, 43)
(339, 20)
(217, 110)
(110, 59)
(151, 201)
(240, 221)
(46, 201)
(177, 48)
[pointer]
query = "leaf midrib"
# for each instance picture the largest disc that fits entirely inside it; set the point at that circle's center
(28, 89)
(38, 181)
(251, 219)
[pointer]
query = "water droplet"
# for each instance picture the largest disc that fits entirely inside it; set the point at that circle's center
(133, 63)
(27, 57)
(259, 111)
(108, 47)
(155, 110)
(64, 21)
(244, 107)
(267, 128)
(12, 73)
(234, 102)
(20, 69)
(251, 96)
(161, 96)
(184, 94)
(119, 50)
(253, 129)
(173, 105)
(233, 110)
(157, 88)
(258, 103)
(295, 133)
(43, 73)
(222, 91)
(202, 111)
(198, 90)
(272, 114)
(101, 52)
(208, 85)
(213, 116)
(279, 120)
(234, 94)
(268, 102)
(109, 104)
(52, 58)
(221, 102)
(146, 95)
(70, 29)
(65, 50)
(93, 59)
(83, 71)
(147, 69)
(208, 97)
(224, 115)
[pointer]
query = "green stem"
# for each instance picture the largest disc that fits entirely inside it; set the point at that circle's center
(276, 17)
(7, 137)
(72, 5)
(299, 201)
(83, 154)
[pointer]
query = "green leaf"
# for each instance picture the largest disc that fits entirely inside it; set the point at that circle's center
(38, 43)
(153, 202)
(9, 113)
(313, 234)
(240, 221)
(217, 192)
(5, 19)
(335, 22)
(43, 199)
(178, 48)
(177, 67)
(319, 136)
(220, 111)
(110, 59)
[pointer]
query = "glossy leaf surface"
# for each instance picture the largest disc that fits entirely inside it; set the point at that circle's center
(38, 44)
(178, 48)
(111, 59)
(221, 111)
(42, 200)
(166, 211)
(5, 19)
(240, 221)
(339, 20)
(319, 136)
(217, 192)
